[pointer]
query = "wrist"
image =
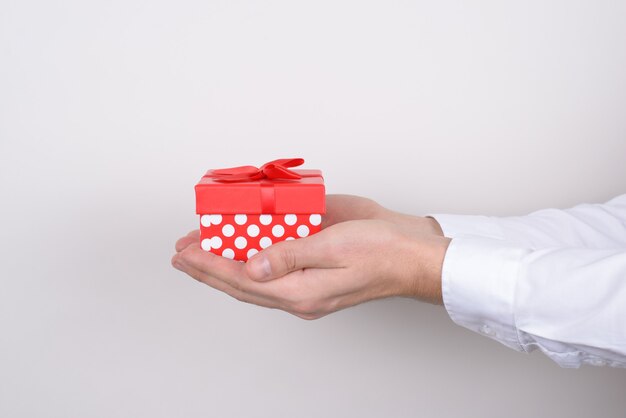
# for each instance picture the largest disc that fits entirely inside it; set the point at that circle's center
(419, 225)
(422, 279)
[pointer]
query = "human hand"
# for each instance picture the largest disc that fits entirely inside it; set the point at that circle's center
(345, 264)
(342, 207)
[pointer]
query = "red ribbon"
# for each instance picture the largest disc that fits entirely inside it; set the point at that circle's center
(277, 169)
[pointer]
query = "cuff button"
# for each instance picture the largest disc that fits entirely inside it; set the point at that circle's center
(486, 329)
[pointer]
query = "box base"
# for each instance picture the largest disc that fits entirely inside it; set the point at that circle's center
(239, 237)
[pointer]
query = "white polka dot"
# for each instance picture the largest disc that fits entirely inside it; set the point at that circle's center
(303, 231)
(251, 252)
(228, 230)
(291, 219)
(289, 238)
(206, 244)
(315, 219)
(265, 219)
(265, 242)
(205, 220)
(278, 230)
(241, 219)
(216, 242)
(228, 253)
(241, 242)
(253, 230)
(215, 219)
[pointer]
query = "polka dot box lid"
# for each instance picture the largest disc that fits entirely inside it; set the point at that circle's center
(245, 209)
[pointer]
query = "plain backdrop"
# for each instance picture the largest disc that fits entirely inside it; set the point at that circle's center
(110, 111)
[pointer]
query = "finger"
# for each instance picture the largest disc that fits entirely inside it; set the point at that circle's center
(238, 286)
(220, 285)
(343, 207)
(336, 210)
(190, 238)
(288, 256)
(229, 271)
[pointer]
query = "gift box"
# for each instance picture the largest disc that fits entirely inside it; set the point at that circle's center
(246, 209)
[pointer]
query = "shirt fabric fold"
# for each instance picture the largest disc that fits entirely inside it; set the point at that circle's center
(554, 280)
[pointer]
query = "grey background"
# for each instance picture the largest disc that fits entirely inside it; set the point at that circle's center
(111, 110)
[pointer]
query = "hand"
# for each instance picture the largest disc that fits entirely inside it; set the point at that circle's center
(341, 208)
(343, 265)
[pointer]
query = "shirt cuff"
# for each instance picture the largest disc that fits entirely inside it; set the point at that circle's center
(468, 225)
(479, 278)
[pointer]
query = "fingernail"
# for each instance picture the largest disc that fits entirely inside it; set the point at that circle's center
(260, 267)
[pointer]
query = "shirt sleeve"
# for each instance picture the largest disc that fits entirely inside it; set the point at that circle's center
(568, 302)
(587, 225)
(554, 280)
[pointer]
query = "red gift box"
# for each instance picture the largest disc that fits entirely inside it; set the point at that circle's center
(246, 209)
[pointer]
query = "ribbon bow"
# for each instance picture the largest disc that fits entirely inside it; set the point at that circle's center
(277, 169)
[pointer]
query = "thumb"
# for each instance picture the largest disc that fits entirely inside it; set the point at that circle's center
(286, 256)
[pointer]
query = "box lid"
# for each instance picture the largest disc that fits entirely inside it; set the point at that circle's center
(265, 195)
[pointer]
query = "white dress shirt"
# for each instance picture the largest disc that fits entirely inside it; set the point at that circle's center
(553, 280)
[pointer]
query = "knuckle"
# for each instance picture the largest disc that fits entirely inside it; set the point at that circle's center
(305, 308)
(289, 259)
(307, 316)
